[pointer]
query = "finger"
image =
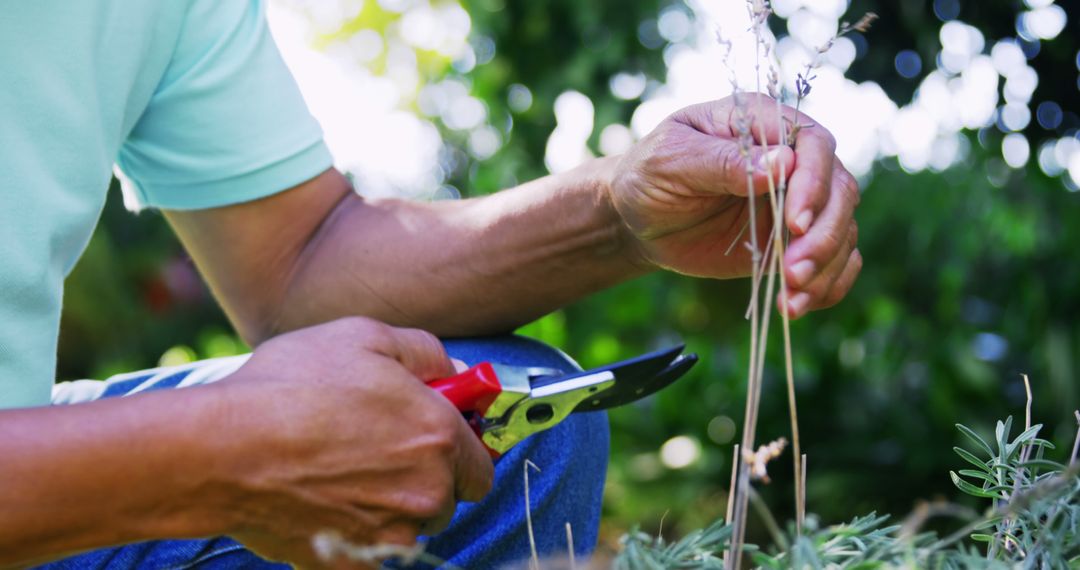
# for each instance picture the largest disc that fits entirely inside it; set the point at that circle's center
(419, 351)
(716, 165)
(438, 524)
(811, 271)
(819, 286)
(474, 471)
(756, 113)
(398, 532)
(843, 284)
(811, 183)
(809, 254)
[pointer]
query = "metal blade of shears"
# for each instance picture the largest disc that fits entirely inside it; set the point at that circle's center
(635, 378)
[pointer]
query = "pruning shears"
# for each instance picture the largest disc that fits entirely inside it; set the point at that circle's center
(505, 404)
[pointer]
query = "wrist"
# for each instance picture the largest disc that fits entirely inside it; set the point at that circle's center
(197, 466)
(604, 174)
(110, 472)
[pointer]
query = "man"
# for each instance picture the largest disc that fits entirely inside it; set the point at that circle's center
(329, 427)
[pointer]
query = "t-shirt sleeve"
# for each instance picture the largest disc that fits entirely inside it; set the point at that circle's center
(227, 123)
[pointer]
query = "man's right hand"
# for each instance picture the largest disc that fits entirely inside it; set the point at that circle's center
(331, 428)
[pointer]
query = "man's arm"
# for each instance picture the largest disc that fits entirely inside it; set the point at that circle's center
(257, 456)
(676, 201)
(455, 267)
(76, 477)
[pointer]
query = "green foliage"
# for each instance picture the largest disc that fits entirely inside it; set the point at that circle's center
(1034, 519)
(1035, 515)
(699, 549)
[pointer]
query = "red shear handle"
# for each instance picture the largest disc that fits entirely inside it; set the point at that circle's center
(471, 391)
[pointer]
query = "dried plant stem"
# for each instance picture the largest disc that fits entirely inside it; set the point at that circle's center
(753, 384)
(331, 546)
(736, 462)
(534, 562)
(763, 334)
(767, 258)
(800, 509)
(1027, 408)
(1076, 442)
(570, 546)
(1025, 454)
(776, 201)
(737, 240)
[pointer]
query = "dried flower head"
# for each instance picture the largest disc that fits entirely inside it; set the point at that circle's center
(864, 23)
(774, 83)
(759, 12)
(757, 460)
(862, 26)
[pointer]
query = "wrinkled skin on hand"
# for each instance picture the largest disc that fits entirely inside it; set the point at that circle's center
(682, 192)
(336, 431)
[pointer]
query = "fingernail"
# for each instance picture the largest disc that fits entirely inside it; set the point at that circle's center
(765, 161)
(801, 272)
(797, 304)
(803, 220)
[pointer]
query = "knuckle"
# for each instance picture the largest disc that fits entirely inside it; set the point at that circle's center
(819, 290)
(833, 297)
(443, 435)
(852, 189)
(730, 159)
(828, 244)
(830, 140)
(427, 341)
(849, 186)
(360, 326)
(431, 503)
(829, 188)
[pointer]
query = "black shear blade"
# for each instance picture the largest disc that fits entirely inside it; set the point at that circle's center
(624, 392)
(634, 378)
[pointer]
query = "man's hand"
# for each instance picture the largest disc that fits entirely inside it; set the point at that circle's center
(335, 431)
(682, 192)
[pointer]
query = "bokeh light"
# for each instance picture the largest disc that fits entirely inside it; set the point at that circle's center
(974, 82)
(908, 64)
(680, 452)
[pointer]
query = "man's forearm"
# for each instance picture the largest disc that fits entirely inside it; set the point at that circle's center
(104, 473)
(463, 267)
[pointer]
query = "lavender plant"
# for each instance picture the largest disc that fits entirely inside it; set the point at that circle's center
(1032, 522)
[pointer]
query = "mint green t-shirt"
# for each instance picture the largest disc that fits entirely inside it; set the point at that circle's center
(188, 98)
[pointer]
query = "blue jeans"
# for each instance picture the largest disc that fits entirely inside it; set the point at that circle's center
(572, 458)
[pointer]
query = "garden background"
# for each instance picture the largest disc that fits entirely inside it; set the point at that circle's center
(959, 117)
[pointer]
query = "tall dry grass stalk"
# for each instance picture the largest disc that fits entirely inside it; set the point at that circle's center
(768, 265)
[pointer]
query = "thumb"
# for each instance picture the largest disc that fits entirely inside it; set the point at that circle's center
(717, 165)
(769, 161)
(474, 472)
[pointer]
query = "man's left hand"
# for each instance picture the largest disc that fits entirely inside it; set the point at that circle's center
(682, 192)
